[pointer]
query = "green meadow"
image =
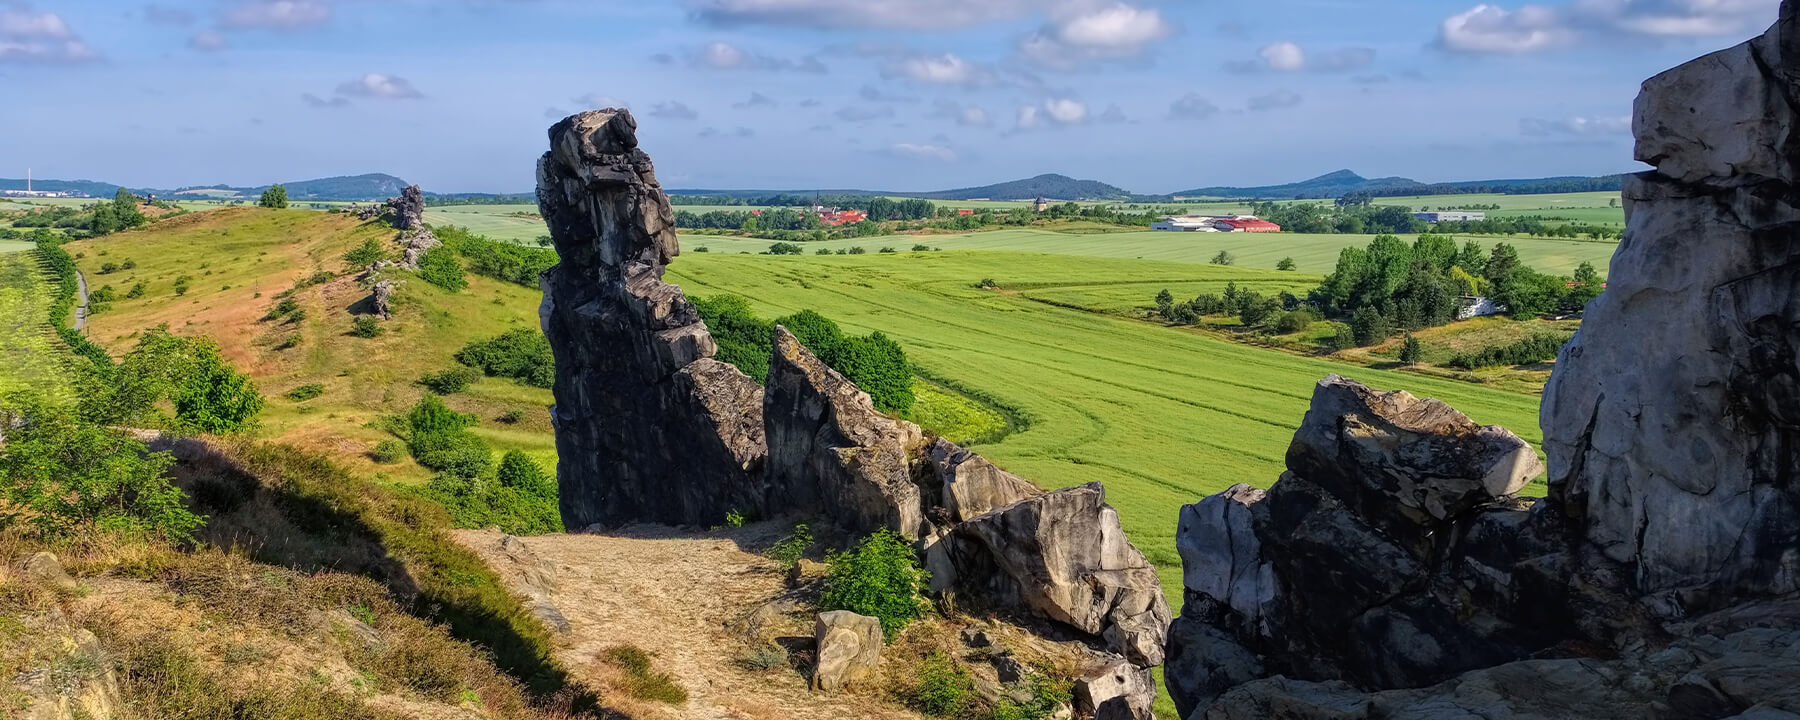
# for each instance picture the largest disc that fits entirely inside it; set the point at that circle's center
(31, 356)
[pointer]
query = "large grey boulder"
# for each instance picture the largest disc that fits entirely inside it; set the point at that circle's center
(849, 645)
(1671, 419)
(1116, 690)
(649, 426)
(831, 453)
(408, 210)
(1064, 555)
(970, 486)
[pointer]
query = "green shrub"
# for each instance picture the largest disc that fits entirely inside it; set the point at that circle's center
(857, 250)
(137, 290)
(1295, 321)
(181, 285)
(450, 382)
(439, 266)
(365, 326)
(1411, 350)
(511, 417)
(297, 316)
(888, 250)
(875, 363)
(766, 656)
(59, 475)
(509, 262)
(306, 392)
(289, 342)
(921, 248)
(742, 339)
(282, 308)
(642, 681)
(1369, 327)
(944, 688)
(702, 249)
(276, 198)
(388, 452)
(790, 549)
(520, 499)
(523, 355)
(785, 248)
(880, 577)
(1539, 347)
(438, 439)
(370, 252)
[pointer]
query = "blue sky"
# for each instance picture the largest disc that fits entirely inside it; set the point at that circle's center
(1153, 96)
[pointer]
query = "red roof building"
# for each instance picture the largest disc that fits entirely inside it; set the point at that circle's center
(965, 211)
(1248, 225)
(835, 218)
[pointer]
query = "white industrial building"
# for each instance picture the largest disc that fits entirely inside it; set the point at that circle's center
(1450, 216)
(1187, 223)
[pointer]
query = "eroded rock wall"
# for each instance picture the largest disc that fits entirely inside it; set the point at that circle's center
(649, 427)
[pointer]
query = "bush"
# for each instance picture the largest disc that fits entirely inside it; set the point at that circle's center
(643, 682)
(921, 248)
(522, 354)
(880, 578)
(702, 249)
(289, 342)
(1369, 327)
(944, 688)
(181, 285)
(1342, 339)
(388, 452)
(1411, 351)
(857, 250)
(440, 267)
(450, 382)
(1223, 258)
(823, 251)
(767, 656)
(888, 250)
(785, 248)
(109, 268)
(62, 474)
(509, 262)
(790, 549)
(297, 316)
(305, 392)
(511, 417)
(1295, 321)
(137, 290)
(1286, 263)
(365, 326)
(370, 252)
(520, 499)
(1540, 347)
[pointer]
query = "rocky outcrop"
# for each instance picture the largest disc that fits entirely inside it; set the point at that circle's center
(969, 486)
(649, 427)
(407, 211)
(1672, 419)
(1391, 573)
(849, 645)
(382, 298)
(831, 453)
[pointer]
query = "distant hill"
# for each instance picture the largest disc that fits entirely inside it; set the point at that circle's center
(84, 187)
(1051, 186)
(1344, 182)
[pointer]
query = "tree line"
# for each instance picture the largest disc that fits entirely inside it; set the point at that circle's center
(1355, 215)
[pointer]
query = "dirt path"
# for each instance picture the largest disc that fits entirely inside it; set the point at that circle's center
(81, 300)
(673, 595)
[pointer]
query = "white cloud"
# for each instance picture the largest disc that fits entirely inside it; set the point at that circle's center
(924, 151)
(1283, 56)
(1028, 118)
(276, 15)
(1273, 101)
(379, 86)
(725, 56)
(1576, 126)
(1096, 34)
(1052, 111)
(207, 41)
(598, 101)
(28, 36)
(1192, 106)
(861, 14)
(673, 110)
(1492, 29)
(945, 69)
(1286, 56)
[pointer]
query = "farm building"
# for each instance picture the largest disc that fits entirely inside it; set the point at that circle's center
(1450, 216)
(835, 217)
(1247, 224)
(1189, 223)
(1477, 306)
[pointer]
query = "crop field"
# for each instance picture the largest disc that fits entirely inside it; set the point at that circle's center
(31, 356)
(1163, 416)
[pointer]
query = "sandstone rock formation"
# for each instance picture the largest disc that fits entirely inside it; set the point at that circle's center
(1391, 573)
(649, 427)
(408, 210)
(382, 298)
(848, 645)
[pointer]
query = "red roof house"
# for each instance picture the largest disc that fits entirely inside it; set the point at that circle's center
(1248, 225)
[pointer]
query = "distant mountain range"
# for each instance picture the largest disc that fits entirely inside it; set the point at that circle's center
(379, 186)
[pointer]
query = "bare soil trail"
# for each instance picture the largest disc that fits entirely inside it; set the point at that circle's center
(674, 594)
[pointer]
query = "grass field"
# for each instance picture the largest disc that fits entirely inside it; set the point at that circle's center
(32, 357)
(1163, 416)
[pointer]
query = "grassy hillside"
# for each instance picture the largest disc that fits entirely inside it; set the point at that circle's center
(31, 356)
(238, 259)
(1163, 416)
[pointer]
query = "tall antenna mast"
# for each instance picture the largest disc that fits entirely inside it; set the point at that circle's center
(27, 181)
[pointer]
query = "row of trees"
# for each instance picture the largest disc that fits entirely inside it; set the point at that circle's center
(874, 362)
(1354, 215)
(101, 218)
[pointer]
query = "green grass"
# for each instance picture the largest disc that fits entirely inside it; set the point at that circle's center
(31, 355)
(1163, 416)
(956, 417)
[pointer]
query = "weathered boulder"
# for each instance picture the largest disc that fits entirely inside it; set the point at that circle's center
(649, 426)
(830, 453)
(414, 242)
(382, 298)
(45, 569)
(1117, 690)
(970, 486)
(408, 210)
(1063, 554)
(1671, 419)
(848, 645)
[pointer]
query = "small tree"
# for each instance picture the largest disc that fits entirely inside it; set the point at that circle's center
(275, 197)
(1286, 263)
(1163, 300)
(61, 474)
(1410, 350)
(880, 577)
(366, 254)
(1369, 326)
(1223, 258)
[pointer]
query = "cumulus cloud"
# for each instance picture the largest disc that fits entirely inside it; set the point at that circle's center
(923, 151)
(673, 110)
(1192, 106)
(725, 56)
(1051, 112)
(207, 41)
(1116, 31)
(1492, 29)
(1576, 126)
(756, 100)
(1286, 56)
(29, 36)
(276, 15)
(1273, 101)
(945, 69)
(381, 87)
(861, 14)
